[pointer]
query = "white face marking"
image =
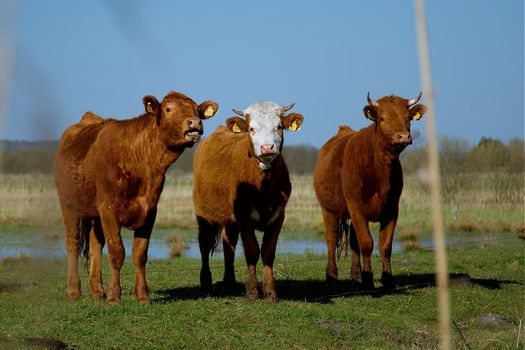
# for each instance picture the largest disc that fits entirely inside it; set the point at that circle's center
(265, 121)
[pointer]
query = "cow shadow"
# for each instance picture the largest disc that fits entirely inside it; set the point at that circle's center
(322, 292)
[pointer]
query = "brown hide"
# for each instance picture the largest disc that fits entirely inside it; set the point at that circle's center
(231, 191)
(110, 173)
(358, 176)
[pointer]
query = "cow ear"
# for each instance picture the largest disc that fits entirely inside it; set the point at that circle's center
(416, 112)
(370, 112)
(292, 121)
(151, 105)
(207, 109)
(237, 125)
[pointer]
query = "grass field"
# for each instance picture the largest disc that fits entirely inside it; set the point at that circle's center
(480, 202)
(487, 286)
(487, 280)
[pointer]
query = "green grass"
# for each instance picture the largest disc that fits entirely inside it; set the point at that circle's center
(486, 301)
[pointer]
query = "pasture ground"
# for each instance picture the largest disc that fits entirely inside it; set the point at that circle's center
(487, 303)
(487, 280)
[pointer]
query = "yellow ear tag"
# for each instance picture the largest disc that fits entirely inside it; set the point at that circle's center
(149, 108)
(417, 116)
(369, 115)
(209, 112)
(235, 128)
(294, 126)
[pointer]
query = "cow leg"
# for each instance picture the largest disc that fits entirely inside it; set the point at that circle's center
(96, 243)
(366, 246)
(229, 243)
(116, 254)
(331, 224)
(72, 233)
(140, 257)
(207, 234)
(386, 235)
(251, 252)
(268, 256)
(355, 271)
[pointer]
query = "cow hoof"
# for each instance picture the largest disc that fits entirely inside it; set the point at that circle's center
(388, 281)
(144, 300)
(113, 301)
(252, 295)
(205, 282)
(98, 295)
(206, 287)
(331, 277)
(367, 280)
(272, 297)
(355, 275)
(73, 296)
(229, 281)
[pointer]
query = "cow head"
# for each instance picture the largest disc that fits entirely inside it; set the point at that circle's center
(179, 118)
(264, 122)
(392, 116)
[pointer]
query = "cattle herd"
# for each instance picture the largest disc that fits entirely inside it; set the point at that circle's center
(110, 174)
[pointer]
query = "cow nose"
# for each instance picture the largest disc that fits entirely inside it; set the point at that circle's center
(404, 138)
(268, 149)
(194, 123)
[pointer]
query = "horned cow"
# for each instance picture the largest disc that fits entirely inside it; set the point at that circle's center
(110, 174)
(241, 184)
(358, 177)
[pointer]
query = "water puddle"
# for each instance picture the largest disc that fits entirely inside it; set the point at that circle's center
(159, 248)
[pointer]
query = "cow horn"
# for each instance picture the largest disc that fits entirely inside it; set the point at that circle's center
(236, 111)
(287, 108)
(370, 101)
(414, 101)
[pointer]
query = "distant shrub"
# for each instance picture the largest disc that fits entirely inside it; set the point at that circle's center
(177, 245)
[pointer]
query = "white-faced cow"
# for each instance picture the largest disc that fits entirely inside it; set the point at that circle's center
(241, 184)
(110, 174)
(358, 177)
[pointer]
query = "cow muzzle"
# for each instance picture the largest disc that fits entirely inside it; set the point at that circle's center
(403, 138)
(267, 153)
(268, 149)
(193, 129)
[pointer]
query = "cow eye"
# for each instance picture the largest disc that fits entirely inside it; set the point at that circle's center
(168, 109)
(382, 118)
(252, 131)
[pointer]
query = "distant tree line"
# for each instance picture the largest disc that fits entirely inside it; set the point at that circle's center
(456, 156)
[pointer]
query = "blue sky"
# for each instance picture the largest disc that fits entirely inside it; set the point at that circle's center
(103, 56)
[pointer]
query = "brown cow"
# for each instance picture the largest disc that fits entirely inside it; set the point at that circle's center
(241, 183)
(109, 174)
(358, 176)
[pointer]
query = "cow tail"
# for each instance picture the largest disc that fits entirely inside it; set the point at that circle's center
(219, 236)
(343, 238)
(83, 241)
